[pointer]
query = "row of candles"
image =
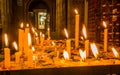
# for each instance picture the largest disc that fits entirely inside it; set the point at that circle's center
(25, 44)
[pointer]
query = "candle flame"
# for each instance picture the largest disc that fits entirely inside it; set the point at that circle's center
(48, 29)
(84, 31)
(15, 45)
(94, 49)
(33, 48)
(76, 12)
(104, 24)
(53, 43)
(66, 33)
(33, 30)
(29, 39)
(21, 25)
(27, 25)
(6, 39)
(43, 35)
(115, 52)
(65, 54)
(82, 54)
(40, 33)
(36, 33)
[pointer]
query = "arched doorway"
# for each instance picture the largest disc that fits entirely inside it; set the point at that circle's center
(40, 13)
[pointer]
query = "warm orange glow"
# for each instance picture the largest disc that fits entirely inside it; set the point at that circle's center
(66, 33)
(81, 38)
(34, 57)
(65, 54)
(115, 52)
(6, 39)
(40, 33)
(33, 48)
(48, 29)
(104, 24)
(33, 30)
(53, 43)
(94, 49)
(29, 39)
(76, 12)
(36, 34)
(82, 54)
(43, 35)
(21, 25)
(15, 45)
(27, 25)
(84, 31)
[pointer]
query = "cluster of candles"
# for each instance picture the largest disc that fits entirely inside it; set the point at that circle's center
(25, 44)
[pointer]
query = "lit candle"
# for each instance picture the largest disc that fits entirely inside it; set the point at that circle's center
(30, 52)
(82, 55)
(21, 37)
(17, 54)
(26, 47)
(105, 36)
(86, 40)
(115, 53)
(6, 53)
(66, 55)
(94, 49)
(68, 43)
(48, 33)
(76, 29)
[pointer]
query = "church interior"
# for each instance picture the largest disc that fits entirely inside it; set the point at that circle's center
(88, 23)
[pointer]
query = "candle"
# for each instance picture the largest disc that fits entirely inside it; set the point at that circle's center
(105, 36)
(17, 54)
(26, 47)
(48, 33)
(68, 43)
(6, 53)
(42, 39)
(36, 38)
(115, 52)
(86, 40)
(76, 29)
(21, 37)
(30, 52)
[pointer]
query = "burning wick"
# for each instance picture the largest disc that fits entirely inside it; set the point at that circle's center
(82, 55)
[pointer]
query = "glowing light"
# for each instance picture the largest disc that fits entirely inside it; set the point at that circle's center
(104, 24)
(33, 30)
(66, 33)
(82, 54)
(33, 48)
(15, 45)
(76, 12)
(27, 25)
(65, 54)
(94, 49)
(84, 31)
(115, 52)
(21, 25)
(29, 39)
(6, 39)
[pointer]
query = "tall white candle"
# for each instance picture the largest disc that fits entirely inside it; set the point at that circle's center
(21, 37)
(105, 37)
(68, 44)
(86, 40)
(76, 29)
(6, 53)
(26, 47)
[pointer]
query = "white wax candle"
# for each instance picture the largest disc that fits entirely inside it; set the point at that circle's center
(105, 39)
(7, 57)
(76, 30)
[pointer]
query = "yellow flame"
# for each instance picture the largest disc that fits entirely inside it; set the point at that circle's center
(33, 30)
(84, 31)
(36, 33)
(48, 29)
(53, 43)
(29, 39)
(94, 49)
(81, 38)
(115, 52)
(43, 35)
(15, 45)
(33, 48)
(65, 54)
(104, 24)
(76, 12)
(6, 39)
(27, 25)
(82, 54)
(21, 25)
(66, 33)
